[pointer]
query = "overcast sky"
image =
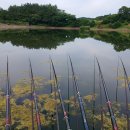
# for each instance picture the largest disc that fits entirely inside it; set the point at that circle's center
(80, 8)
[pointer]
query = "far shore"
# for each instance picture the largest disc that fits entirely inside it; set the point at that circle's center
(35, 27)
(123, 30)
(13, 27)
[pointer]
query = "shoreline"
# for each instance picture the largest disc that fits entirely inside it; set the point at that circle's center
(15, 27)
(39, 27)
(124, 30)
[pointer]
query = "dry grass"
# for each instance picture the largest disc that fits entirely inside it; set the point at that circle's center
(7, 26)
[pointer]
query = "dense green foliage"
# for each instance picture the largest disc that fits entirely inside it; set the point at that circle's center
(86, 22)
(34, 14)
(49, 15)
(122, 18)
(116, 20)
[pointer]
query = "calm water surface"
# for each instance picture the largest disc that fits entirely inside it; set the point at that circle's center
(39, 45)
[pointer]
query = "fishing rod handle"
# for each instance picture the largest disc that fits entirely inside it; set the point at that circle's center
(39, 127)
(8, 127)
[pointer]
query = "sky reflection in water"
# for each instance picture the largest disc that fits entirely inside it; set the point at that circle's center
(81, 50)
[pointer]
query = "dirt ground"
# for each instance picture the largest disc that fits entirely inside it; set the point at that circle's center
(7, 26)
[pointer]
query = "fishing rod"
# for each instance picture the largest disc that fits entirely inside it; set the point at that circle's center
(68, 87)
(60, 96)
(51, 78)
(117, 83)
(126, 94)
(109, 105)
(125, 74)
(55, 97)
(56, 107)
(80, 100)
(8, 105)
(51, 91)
(32, 100)
(38, 120)
(101, 104)
(93, 105)
(75, 106)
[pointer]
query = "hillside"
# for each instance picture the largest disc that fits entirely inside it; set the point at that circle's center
(50, 15)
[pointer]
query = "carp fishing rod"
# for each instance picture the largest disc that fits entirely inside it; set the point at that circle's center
(38, 120)
(32, 111)
(60, 96)
(125, 74)
(8, 105)
(101, 104)
(56, 107)
(126, 94)
(74, 100)
(117, 82)
(55, 97)
(80, 100)
(109, 105)
(51, 79)
(93, 103)
(68, 88)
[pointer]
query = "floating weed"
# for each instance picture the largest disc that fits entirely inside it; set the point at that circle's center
(90, 98)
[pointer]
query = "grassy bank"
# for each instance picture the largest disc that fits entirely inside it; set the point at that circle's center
(124, 28)
(111, 30)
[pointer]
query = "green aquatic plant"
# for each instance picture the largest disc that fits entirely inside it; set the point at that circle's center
(21, 108)
(90, 98)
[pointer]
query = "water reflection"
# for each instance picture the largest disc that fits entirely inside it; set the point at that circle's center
(53, 38)
(120, 41)
(81, 46)
(38, 38)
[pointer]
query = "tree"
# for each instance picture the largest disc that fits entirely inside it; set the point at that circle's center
(124, 13)
(124, 10)
(115, 24)
(35, 14)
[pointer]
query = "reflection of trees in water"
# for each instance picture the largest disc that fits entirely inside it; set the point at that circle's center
(120, 41)
(38, 38)
(53, 38)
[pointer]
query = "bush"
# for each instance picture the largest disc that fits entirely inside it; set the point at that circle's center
(126, 23)
(115, 25)
(84, 28)
(92, 23)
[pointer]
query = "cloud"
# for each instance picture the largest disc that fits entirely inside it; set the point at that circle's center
(80, 8)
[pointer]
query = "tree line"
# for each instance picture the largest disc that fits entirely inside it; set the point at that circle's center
(50, 15)
(34, 14)
(116, 20)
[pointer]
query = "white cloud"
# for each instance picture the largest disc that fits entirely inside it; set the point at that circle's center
(81, 8)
